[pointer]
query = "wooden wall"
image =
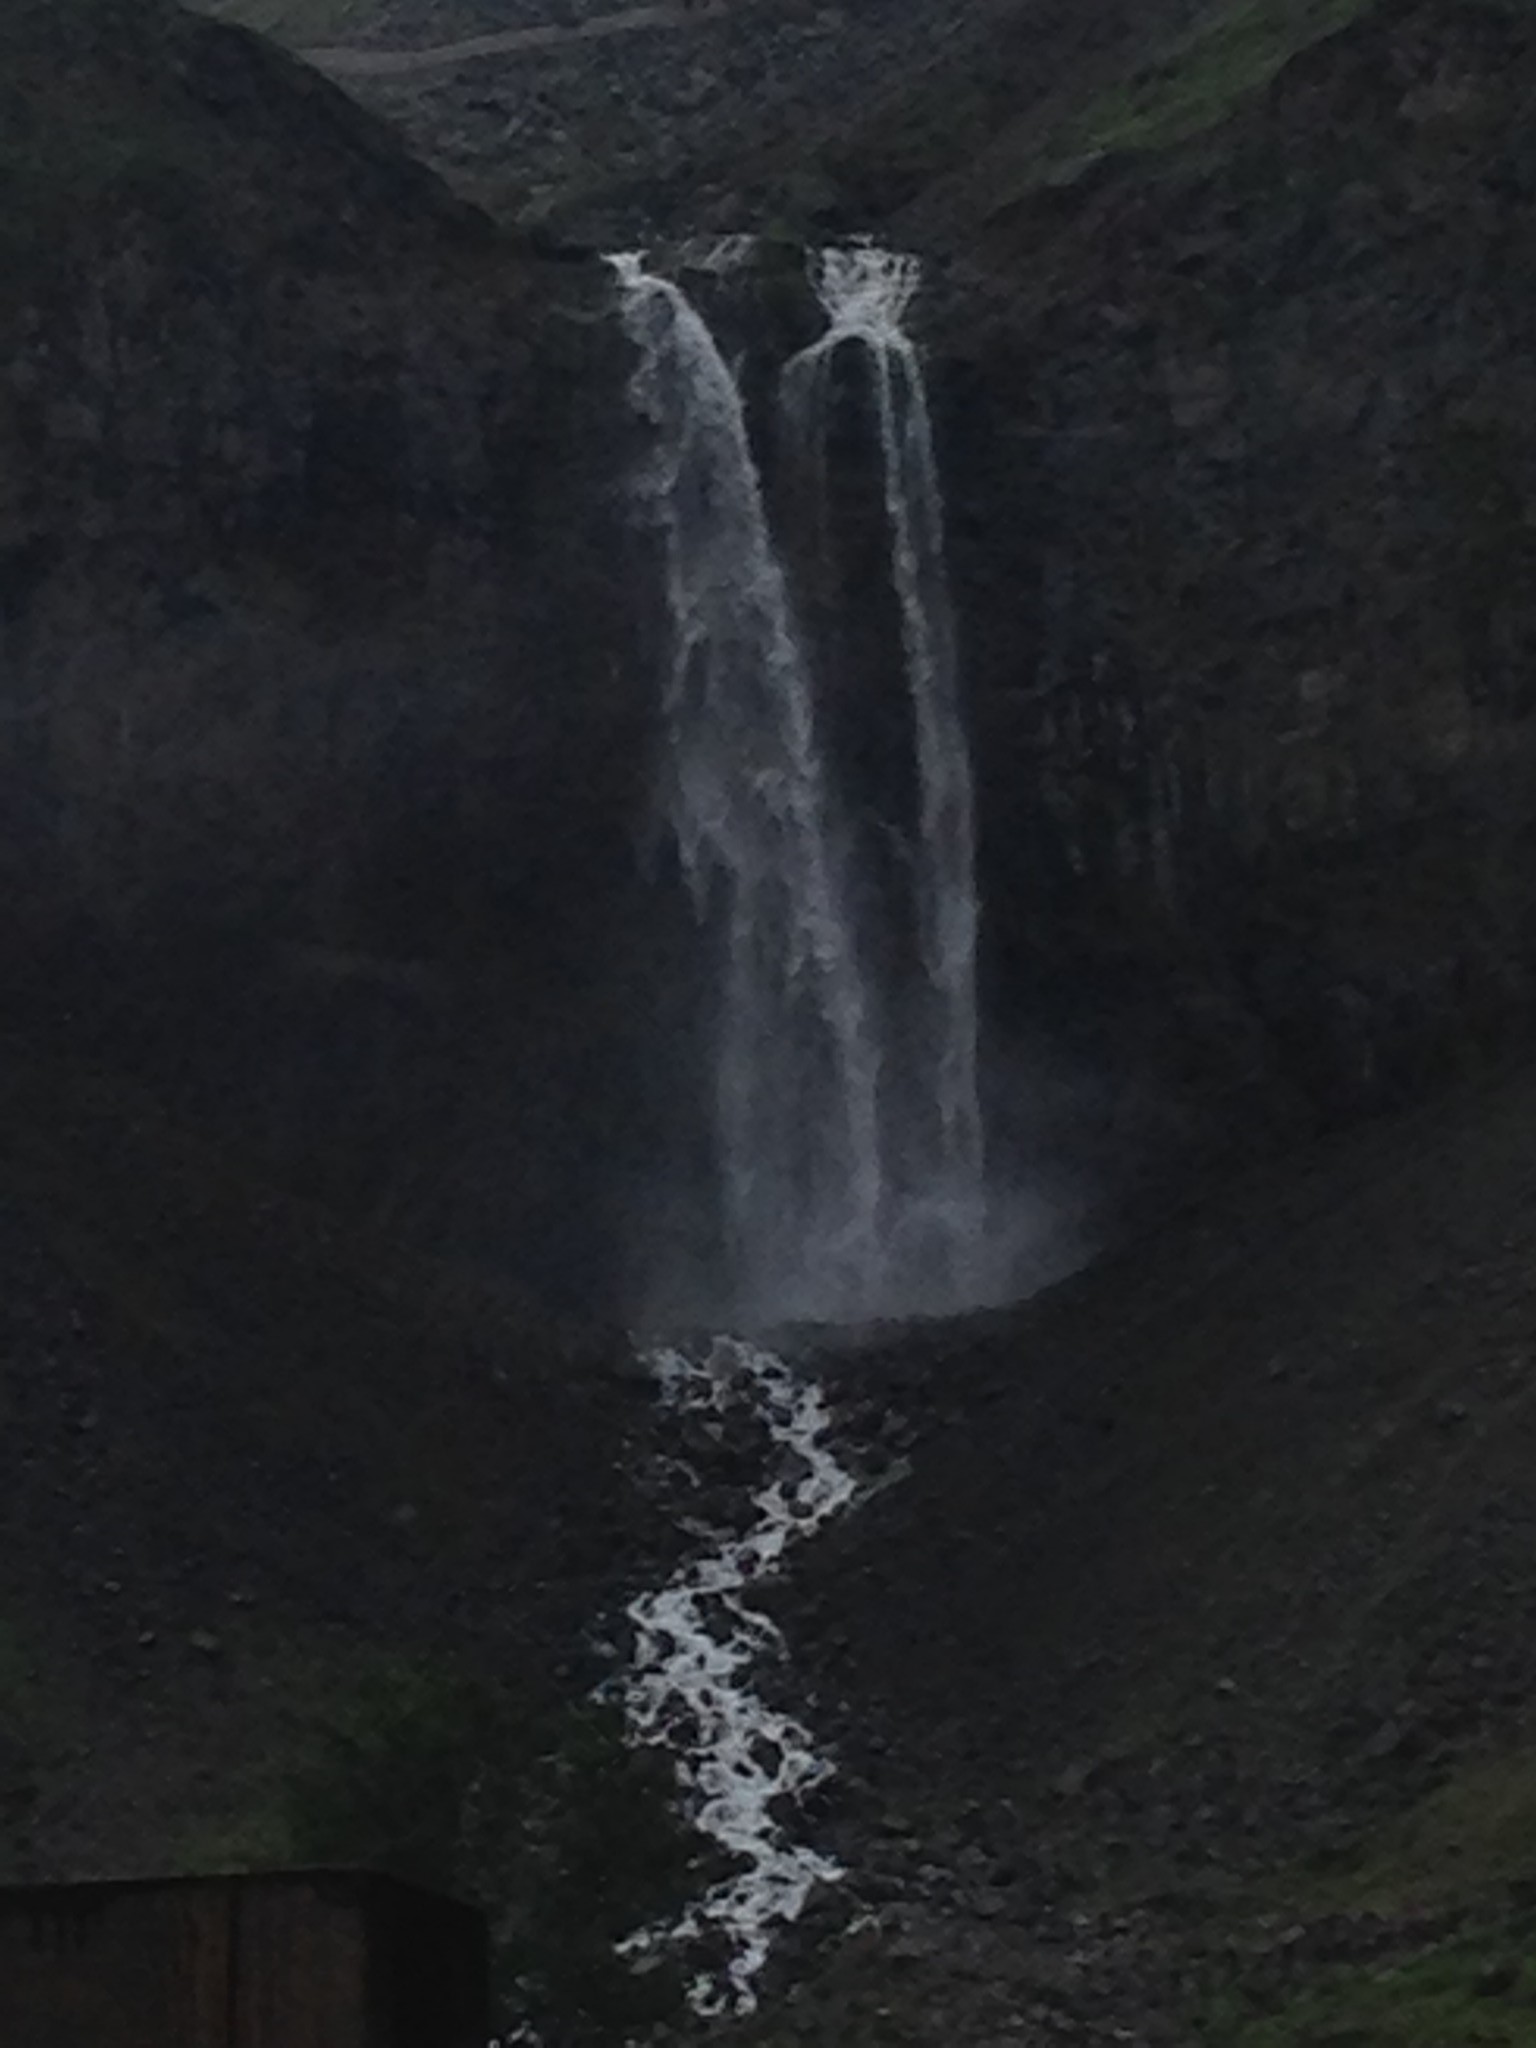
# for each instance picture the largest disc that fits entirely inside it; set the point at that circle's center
(297, 1960)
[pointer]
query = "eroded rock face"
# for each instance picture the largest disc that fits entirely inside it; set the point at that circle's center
(1242, 475)
(322, 710)
(327, 640)
(612, 117)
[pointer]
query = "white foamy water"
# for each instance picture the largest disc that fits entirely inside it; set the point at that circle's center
(698, 1642)
(937, 1223)
(796, 1055)
(847, 1124)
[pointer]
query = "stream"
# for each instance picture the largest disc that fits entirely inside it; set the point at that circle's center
(699, 1640)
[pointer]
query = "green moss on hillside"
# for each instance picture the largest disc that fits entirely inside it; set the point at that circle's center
(425, 1768)
(1198, 79)
(1476, 1993)
(1180, 91)
(1146, 87)
(1465, 1853)
(1468, 1842)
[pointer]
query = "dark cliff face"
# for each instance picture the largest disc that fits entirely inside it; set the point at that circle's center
(1230, 337)
(327, 639)
(320, 738)
(1240, 449)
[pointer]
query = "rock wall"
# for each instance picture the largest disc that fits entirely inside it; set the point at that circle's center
(321, 725)
(327, 640)
(1241, 453)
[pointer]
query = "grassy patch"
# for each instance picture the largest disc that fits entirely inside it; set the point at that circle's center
(544, 1816)
(1198, 79)
(1472, 1836)
(1477, 1993)
(1467, 1849)
(1010, 134)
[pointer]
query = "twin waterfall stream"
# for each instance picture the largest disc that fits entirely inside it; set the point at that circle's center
(846, 1118)
(845, 1115)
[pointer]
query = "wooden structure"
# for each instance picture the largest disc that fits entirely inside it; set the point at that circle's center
(301, 1959)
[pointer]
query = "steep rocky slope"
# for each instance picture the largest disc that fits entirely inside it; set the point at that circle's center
(1241, 469)
(304, 475)
(303, 1541)
(1181, 1680)
(606, 114)
(1185, 1680)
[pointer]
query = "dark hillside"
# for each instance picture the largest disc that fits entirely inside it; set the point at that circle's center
(243, 1440)
(1040, 91)
(1192, 1659)
(302, 472)
(109, 106)
(1240, 465)
(1183, 1679)
(303, 1542)
(308, 1499)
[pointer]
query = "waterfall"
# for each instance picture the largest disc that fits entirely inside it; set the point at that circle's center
(847, 1130)
(796, 1055)
(847, 1123)
(865, 293)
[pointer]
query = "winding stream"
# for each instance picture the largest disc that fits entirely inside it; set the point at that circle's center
(698, 1641)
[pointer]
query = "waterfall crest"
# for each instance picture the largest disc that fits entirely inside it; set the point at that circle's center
(847, 1122)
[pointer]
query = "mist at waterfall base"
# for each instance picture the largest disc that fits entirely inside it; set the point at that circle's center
(821, 1057)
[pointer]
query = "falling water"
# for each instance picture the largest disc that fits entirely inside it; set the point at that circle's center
(847, 1128)
(940, 1202)
(796, 1057)
(848, 1125)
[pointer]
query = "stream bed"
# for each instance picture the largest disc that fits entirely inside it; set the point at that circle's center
(742, 1764)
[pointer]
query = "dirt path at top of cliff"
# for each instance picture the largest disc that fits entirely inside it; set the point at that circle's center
(359, 63)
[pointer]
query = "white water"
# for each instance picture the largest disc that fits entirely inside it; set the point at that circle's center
(847, 1122)
(698, 1640)
(796, 1056)
(848, 1133)
(940, 1201)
